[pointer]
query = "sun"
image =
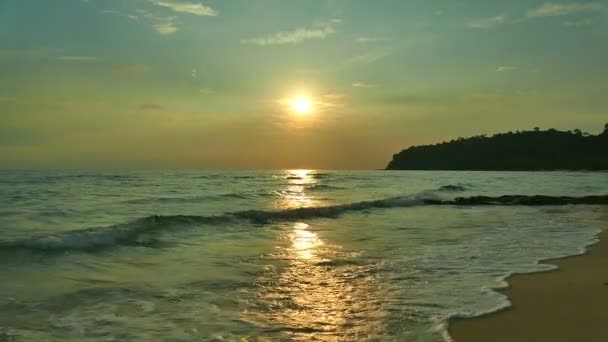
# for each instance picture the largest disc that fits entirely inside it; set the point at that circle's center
(301, 105)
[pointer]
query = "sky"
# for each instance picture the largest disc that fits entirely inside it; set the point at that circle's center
(211, 84)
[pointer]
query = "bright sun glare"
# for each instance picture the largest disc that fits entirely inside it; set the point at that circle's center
(301, 105)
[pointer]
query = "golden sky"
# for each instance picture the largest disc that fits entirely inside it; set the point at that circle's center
(251, 84)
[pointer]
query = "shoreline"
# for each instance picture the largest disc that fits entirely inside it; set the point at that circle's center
(561, 304)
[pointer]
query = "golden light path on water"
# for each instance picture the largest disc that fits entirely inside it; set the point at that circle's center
(295, 194)
(304, 241)
(319, 291)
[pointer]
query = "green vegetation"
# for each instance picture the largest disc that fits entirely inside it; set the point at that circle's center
(528, 150)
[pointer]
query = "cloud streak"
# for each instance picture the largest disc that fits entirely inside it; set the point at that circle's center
(363, 85)
(162, 25)
(507, 68)
(557, 9)
(487, 23)
(318, 30)
(368, 40)
(187, 7)
(367, 58)
(578, 23)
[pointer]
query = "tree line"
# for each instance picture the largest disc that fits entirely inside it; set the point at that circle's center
(537, 149)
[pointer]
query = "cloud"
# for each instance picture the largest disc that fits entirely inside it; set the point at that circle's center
(554, 9)
(35, 53)
(487, 23)
(129, 68)
(151, 106)
(186, 7)
(578, 23)
(363, 85)
(318, 30)
(77, 58)
(334, 96)
(331, 100)
(165, 25)
(367, 58)
(7, 99)
(207, 91)
(507, 68)
(162, 25)
(367, 40)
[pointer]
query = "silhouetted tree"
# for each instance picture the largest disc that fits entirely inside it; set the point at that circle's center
(528, 150)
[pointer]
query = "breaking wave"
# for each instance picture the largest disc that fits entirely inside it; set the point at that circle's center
(452, 188)
(138, 232)
(187, 199)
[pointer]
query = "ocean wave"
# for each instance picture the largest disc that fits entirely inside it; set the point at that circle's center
(535, 200)
(138, 232)
(188, 199)
(323, 187)
(224, 176)
(92, 239)
(452, 188)
(297, 190)
(332, 211)
(319, 175)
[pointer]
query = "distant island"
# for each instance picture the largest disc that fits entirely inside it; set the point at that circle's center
(512, 151)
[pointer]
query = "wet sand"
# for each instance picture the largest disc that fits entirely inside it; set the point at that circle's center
(566, 304)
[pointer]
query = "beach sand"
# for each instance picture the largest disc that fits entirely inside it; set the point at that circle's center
(566, 304)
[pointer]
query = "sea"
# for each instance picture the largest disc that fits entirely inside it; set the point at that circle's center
(286, 255)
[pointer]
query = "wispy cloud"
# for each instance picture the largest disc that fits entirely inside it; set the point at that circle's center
(35, 53)
(318, 30)
(367, 40)
(77, 58)
(558, 9)
(161, 24)
(186, 7)
(334, 96)
(507, 68)
(578, 23)
(165, 25)
(367, 58)
(487, 23)
(363, 85)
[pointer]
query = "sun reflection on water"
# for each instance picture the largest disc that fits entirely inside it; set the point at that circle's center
(304, 241)
(295, 193)
(318, 289)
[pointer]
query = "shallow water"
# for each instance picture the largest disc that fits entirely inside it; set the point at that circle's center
(191, 256)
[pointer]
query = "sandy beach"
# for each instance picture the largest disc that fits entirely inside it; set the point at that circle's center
(566, 304)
